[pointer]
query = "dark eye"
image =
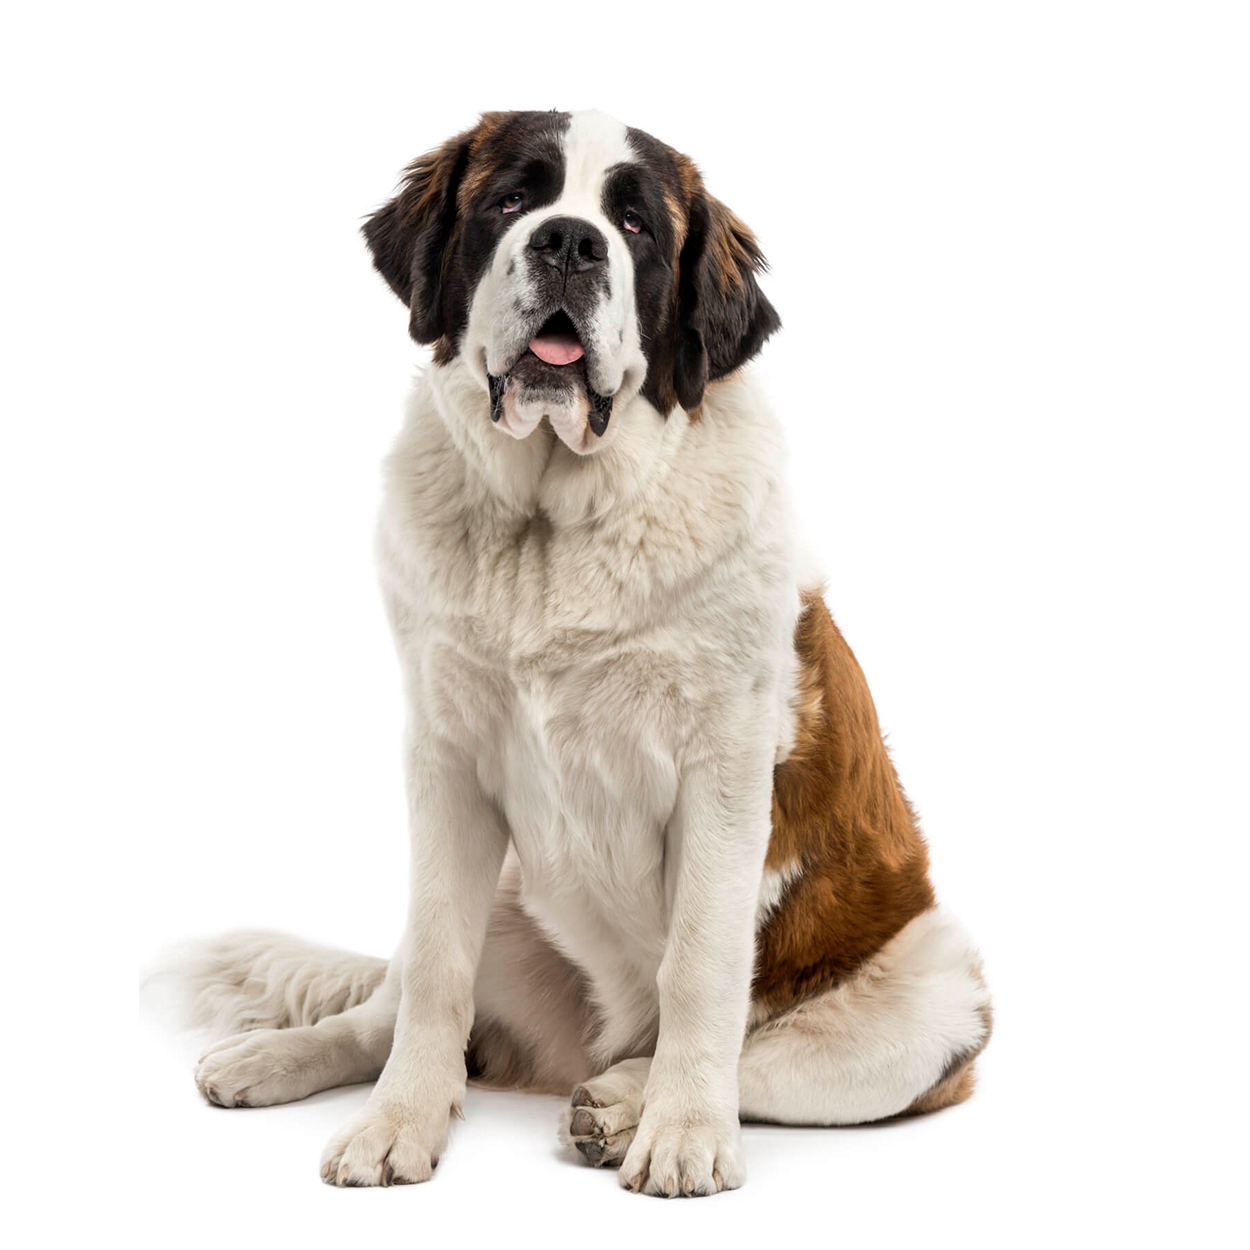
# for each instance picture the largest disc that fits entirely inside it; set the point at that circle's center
(631, 221)
(510, 203)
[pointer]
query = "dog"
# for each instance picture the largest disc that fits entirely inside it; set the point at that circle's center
(660, 857)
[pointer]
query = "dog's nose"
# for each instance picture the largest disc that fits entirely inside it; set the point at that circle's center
(569, 244)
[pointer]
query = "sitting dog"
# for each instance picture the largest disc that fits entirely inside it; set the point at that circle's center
(659, 854)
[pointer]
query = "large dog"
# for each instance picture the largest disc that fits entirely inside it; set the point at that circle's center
(660, 857)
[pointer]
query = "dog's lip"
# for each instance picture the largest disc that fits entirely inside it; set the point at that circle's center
(600, 405)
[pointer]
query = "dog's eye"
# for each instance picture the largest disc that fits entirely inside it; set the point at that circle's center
(631, 221)
(510, 203)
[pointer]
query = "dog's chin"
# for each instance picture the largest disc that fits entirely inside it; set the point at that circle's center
(533, 389)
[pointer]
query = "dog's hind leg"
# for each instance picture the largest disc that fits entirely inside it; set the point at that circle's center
(898, 1037)
(297, 1017)
(267, 1066)
(530, 1013)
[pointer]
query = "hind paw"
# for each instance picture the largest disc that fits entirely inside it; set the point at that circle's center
(261, 1068)
(602, 1118)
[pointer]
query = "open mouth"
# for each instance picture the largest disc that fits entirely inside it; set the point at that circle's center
(556, 342)
(553, 364)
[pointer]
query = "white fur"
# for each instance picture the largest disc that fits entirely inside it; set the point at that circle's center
(255, 979)
(595, 652)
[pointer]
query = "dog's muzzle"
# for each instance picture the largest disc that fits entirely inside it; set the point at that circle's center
(552, 370)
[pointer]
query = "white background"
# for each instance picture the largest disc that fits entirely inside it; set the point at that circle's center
(1010, 246)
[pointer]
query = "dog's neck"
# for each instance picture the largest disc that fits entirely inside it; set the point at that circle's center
(475, 518)
(539, 474)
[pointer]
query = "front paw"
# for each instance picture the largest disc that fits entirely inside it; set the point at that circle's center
(672, 1158)
(385, 1145)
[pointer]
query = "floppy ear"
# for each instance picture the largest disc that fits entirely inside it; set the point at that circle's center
(408, 237)
(723, 317)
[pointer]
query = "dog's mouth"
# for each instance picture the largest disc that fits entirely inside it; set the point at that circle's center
(556, 342)
(550, 379)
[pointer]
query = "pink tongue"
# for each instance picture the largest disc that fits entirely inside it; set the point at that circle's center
(561, 348)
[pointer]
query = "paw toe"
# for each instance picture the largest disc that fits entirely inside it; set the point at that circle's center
(602, 1134)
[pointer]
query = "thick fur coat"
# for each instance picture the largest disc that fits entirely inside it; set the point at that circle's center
(660, 857)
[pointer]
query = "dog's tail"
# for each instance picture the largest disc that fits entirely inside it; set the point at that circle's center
(252, 979)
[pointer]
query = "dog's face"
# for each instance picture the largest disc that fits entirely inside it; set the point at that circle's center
(570, 263)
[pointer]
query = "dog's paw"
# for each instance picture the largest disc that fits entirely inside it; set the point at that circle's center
(603, 1116)
(674, 1159)
(257, 1069)
(385, 1145)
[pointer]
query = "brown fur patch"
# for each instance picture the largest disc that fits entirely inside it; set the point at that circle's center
(731, 248)
(476, 171)
(840, 813)
(689, 185)
(949, 1091)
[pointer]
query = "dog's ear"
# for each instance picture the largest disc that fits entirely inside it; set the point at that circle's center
(723, 317)
(408, 237)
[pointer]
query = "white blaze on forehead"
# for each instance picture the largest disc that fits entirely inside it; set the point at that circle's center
(593, 144)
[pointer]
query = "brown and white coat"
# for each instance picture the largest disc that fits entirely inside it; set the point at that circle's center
(660, 856)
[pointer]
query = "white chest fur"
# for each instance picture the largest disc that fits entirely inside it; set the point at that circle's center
(578, 626)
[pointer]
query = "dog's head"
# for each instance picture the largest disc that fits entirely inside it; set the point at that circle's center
(571, 263)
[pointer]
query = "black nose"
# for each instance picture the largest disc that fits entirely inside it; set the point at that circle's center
(569, 244)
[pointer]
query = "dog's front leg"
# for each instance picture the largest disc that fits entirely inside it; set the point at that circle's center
(458, 845)
(688, 1139)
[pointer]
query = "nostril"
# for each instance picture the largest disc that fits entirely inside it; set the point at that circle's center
(549, 244)
(548, 248)
(547, 241)
(591, 251)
